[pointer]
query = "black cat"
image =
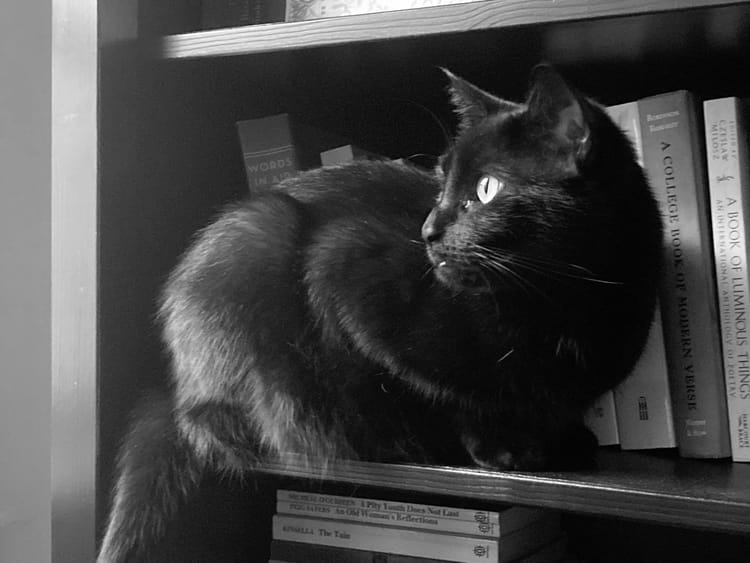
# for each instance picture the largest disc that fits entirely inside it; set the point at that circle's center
(375, 311)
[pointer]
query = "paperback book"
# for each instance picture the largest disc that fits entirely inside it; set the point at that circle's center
(414, 542)
(601, 419)
(643, 401)
(673, 155)
(404, 541)
(728, 162)
(408, 515)
(295, 552)
(276, 147)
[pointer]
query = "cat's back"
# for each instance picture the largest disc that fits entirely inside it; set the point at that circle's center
(280, 222)
(394, 188)
(245, 272)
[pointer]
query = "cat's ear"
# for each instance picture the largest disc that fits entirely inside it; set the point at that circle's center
(552, 102)
(472, 104)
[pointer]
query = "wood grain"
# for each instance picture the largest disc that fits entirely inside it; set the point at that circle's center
(638, 486)
(487, 14)
(74, 275)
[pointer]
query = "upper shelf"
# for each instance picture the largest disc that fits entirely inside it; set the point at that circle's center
(703, 494)
(479, 15)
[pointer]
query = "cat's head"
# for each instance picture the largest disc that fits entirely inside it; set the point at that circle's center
(515, 185)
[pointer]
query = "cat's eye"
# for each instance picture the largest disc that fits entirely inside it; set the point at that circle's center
(488, 187)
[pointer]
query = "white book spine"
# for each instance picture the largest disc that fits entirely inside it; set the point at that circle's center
(444, 512)
(381, 517)
(643, 402)
(443, 547)
(601, 419)
(727, 160)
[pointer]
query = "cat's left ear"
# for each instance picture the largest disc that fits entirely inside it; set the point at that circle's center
(472, 104)
(552, 102)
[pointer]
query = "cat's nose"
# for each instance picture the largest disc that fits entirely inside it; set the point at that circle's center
(431, 229)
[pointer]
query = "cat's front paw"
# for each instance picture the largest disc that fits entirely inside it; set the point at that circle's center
(495, 456)
(575, 451)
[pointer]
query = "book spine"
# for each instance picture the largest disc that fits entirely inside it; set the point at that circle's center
(444, 512)
(268, 150)
(381, 517)
(601, 419)
(296, 552)
(727, 151)
(674, 161)
(643, 401)
(335, 533)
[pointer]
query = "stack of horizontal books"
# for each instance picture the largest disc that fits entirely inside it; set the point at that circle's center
(313, 527)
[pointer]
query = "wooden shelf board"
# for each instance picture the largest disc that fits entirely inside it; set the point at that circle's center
(711, 495)
(487, 14)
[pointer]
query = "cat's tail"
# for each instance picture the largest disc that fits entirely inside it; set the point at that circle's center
(157, 470)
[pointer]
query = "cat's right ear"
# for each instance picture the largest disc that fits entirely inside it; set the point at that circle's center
(552, 102)
(472, 104)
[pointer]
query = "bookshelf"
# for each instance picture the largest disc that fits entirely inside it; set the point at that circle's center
(394, 25)
(636, 486)
(145, 152)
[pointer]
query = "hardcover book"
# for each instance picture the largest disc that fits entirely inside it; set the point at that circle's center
(278, 146)
(300, 10)
(673, 157)
(232, 13)
(643, 401)
(728, 164)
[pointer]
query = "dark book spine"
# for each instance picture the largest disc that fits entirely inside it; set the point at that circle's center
(674, 161)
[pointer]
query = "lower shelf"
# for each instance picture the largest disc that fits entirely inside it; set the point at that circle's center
(650, 487)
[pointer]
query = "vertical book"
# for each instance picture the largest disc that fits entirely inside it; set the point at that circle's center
(729, 180)
(276, 147)
(673, 154)
(643, 401)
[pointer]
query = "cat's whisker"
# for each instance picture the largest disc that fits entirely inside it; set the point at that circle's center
(426, 272)
(487, 283)
(447, 137)
(505, 356)
(504, 270)
(560, 272)
(548, 266)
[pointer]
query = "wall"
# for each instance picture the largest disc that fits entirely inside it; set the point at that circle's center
(25, 94)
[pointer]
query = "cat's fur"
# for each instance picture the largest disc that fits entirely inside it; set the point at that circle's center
(379, 312)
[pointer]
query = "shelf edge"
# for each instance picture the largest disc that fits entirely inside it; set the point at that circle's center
(455, 18)
(544, 490)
